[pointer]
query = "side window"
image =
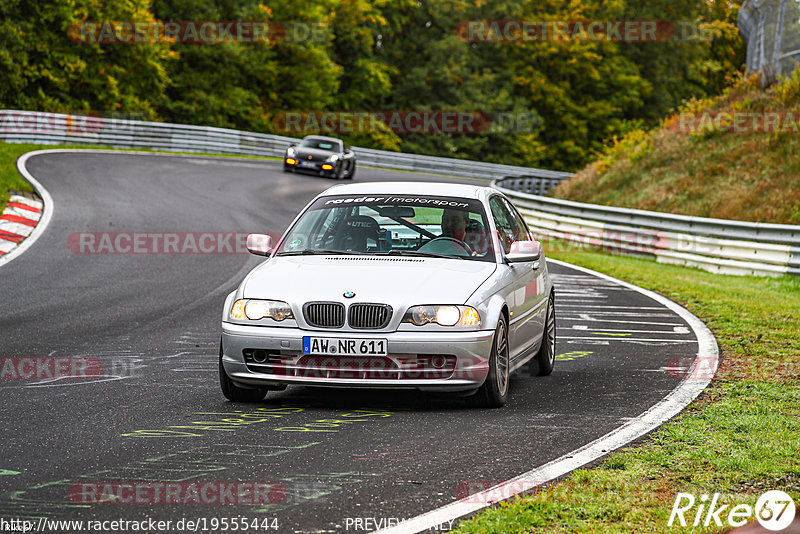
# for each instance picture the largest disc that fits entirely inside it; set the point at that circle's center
(523, 233)
(504, 220)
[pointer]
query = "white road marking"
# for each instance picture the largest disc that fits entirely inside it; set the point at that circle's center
(614, 321)
(675, 330)
(562, 306)
(614, 338)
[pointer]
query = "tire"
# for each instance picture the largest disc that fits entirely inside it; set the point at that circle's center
(286, 168)
(233, 392)
(546, 357)
(352, 172)
(494, 391)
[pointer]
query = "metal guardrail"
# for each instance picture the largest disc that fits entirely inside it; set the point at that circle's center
(731, 247)
(533, 185)
(715, 245)
(55, 128)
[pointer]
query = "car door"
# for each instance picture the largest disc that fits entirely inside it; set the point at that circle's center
(536, 291)
(526, 295)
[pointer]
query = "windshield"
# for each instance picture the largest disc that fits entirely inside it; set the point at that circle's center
(392, 225)
(322, 144)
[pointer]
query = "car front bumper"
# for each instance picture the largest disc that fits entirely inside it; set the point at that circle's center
(467, 353)
(316, 169)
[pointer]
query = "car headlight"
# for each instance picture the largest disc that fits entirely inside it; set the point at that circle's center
(255, 310)
(443, 315)
(290, 151)
(334, 157)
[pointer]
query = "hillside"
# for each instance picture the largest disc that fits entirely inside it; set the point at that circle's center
(708, 159)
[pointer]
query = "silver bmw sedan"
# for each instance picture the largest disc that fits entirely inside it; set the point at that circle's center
(429, 286)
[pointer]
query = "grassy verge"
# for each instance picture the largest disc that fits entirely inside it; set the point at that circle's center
(696, 163)
(10, 180)
(740, 438)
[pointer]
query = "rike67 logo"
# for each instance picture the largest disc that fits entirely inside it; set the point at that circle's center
(774, 510)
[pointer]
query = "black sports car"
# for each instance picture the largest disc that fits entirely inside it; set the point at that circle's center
(325, 156)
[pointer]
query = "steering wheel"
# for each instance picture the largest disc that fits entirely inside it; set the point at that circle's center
(458, 242)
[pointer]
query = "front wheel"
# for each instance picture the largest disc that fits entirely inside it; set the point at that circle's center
(546, 357)
(494, 391)
(352, 172)
(232, 391)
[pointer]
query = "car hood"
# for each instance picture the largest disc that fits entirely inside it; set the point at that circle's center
(315, 153)
(397, 281)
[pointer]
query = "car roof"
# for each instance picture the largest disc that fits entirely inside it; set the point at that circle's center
(322, 137)
(411, 188)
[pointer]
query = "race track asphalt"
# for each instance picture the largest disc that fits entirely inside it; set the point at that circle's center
(155, 413)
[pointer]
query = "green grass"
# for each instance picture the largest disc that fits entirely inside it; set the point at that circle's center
(10, 179)
(740, 438)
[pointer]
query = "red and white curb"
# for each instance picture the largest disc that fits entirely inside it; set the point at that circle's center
(18, 221)
(24, 220)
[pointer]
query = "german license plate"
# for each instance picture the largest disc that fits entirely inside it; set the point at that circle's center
(345, 347)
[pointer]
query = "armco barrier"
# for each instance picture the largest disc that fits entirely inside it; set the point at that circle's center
(56, 128)
(715, 245)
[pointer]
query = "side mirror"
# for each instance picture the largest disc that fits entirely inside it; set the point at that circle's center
(259, 244)
(524, 251)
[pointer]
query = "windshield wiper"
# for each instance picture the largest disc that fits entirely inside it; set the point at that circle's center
(400, 252)
(317, 251)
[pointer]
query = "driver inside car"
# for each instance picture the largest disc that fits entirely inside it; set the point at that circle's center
(454, 224)
(454, 227)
